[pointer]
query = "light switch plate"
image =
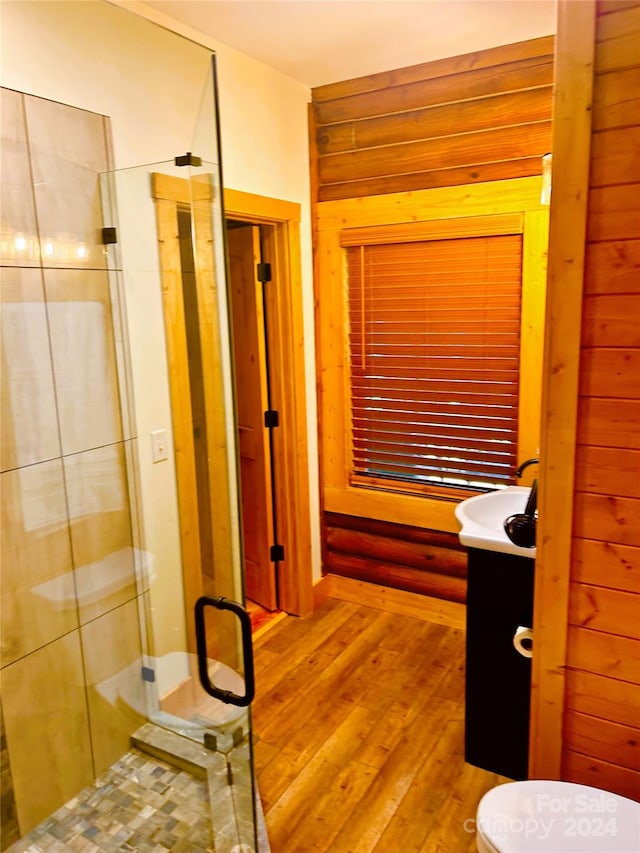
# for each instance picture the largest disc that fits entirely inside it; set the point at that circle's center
(159, 445)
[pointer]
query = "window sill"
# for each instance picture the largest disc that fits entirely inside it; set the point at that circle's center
(421, 490)
(399, 508)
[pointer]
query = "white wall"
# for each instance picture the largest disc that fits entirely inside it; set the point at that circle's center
(265, 150)
(103, 58)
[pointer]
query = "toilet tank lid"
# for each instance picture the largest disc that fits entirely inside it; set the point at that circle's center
(547, 815)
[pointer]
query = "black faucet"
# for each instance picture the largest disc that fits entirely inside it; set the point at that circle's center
(532, 503)
(521, 527)
(524, 465)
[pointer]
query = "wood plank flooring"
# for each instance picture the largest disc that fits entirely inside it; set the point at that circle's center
(261, 618)
(358, 724)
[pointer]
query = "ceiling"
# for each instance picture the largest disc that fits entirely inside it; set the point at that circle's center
(324, 41)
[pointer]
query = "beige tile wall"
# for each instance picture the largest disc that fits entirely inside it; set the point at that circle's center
(29, 420)
(8, 817)
(100, 526)
(84, 363)
(68, 149)
(70, 639)
(45, 713)
(18, 238)
(116, 699)
(38, 595)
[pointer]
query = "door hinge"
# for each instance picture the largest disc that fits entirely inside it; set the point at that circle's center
(263, 271)
(276, 553)
(109, 236)
(271, 419)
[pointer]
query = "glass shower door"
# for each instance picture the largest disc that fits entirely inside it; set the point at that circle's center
(168, 261)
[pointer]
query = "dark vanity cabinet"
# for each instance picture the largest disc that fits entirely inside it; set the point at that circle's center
(498, 677)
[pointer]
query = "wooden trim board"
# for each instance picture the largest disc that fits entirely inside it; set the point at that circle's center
(409, 604)
(571, 149)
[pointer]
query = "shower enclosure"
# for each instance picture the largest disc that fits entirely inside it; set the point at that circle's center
(168, 236)
(121, 576)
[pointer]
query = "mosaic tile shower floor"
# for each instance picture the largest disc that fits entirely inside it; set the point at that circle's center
(140, 804)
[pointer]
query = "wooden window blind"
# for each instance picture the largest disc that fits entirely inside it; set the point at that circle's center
(434, 338)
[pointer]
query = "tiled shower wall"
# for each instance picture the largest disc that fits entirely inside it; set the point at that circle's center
(70, 644)
(8, 817)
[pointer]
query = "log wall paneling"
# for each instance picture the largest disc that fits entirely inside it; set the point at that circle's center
(611, 742)
(430, 70)
(601, 609)
(504, 143)
(619, 564)
(612, 267)
(614, 213)
(586, 770)
(431, 122)
(609, 518)
(602, 705)
(614, 103)
(608, 470)
(610, 372)
(603, 697)
(603, 422)
(479, 117)
(605, 654)
(611, 320)
(444, 89)
(460, 176)
(396, 555)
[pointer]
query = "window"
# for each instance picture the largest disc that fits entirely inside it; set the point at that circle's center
(434, 343)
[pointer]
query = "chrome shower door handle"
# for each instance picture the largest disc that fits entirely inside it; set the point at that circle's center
(226, 696)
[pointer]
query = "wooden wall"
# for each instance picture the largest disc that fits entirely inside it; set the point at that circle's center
(469, 119)
(429, 562)
(602, 702)
(483, 116)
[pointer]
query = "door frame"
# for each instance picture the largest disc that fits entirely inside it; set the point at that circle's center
(281, 248)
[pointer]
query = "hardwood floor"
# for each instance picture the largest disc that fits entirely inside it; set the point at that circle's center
(261, 619)
(358, 726)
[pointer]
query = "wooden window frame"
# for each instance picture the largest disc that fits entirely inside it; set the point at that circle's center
(449, 211)
(457, 229)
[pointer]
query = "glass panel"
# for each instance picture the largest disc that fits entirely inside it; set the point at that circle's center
(168, 263)
(112, 525)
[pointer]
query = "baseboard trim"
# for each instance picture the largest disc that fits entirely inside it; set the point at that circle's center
(322, 591)
(268, 625)
(423, 607)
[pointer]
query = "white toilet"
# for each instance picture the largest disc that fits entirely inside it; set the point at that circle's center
(543, 816)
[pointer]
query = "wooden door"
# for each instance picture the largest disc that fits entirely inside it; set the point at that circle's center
(252, 402)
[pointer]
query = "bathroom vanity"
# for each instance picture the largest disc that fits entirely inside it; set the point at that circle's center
(498, 676)
(499, 606)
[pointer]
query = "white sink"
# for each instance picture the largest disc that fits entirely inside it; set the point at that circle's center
(483, 516)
